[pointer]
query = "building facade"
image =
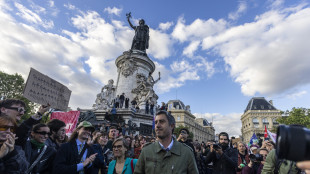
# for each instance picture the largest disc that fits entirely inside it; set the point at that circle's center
(258, 114)
(201, 128)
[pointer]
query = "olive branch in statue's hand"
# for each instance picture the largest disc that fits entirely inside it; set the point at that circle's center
(128, 15)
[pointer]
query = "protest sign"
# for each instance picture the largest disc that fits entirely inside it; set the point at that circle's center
(45, 90)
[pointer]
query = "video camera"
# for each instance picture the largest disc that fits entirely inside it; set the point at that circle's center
(256, 158)
(293, 143)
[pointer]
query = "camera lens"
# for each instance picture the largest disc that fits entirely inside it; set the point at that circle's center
(293, 143)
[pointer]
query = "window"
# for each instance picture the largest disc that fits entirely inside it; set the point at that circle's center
(262, 106)
(265, 121)
(178, 118)
(255, 121)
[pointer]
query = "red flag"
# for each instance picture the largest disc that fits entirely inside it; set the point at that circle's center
(265, 133)
(70, 118)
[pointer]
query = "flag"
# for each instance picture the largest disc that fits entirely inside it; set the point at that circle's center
(273, 136)
(265, 133)
(254, 137)
(70, 118)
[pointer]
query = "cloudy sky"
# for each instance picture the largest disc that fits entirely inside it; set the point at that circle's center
(213, 55)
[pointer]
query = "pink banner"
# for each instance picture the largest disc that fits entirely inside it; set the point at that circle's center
(70, 118)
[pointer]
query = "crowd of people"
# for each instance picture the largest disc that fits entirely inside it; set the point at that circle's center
(32, 147)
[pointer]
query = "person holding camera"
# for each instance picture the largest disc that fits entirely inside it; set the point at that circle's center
(256, 163)
(224, 158)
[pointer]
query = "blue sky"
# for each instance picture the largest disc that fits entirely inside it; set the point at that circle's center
(212, 55)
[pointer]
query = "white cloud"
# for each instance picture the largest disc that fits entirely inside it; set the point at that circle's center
(269, 55)
(70, 6)
(232, 125)
(296, 95)
(191, 48)
(114, 10)
(51, 3)
(198, 29)
(160, 44)
(165, 26)
(242, 7)
(32, 17)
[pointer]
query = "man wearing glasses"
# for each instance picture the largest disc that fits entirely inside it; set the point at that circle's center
(224, 158)
(76, 156)
(166, 155)
(16, 108)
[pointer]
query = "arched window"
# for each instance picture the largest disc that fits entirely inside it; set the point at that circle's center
(255, 122)
(265, 121)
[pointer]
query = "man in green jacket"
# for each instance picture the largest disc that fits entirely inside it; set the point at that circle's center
(275, 165)
(166, 155)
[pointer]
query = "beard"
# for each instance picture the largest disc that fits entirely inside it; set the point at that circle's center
(224, 145)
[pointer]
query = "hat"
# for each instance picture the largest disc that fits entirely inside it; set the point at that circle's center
(253, 148)
(86, 124)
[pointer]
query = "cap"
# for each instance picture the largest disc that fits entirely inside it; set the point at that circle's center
(253, 148)
(86, 124)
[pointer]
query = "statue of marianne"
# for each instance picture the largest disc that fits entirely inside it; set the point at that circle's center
(141, 38)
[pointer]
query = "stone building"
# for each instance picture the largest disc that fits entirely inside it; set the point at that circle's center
(258, 113)
(201, 128)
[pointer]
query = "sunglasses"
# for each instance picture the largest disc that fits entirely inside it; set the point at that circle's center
(43, 133)
(117, 147)
(19, 109)
(4, 128)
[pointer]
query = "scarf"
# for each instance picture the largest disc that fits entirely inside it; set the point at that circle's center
(37, 144)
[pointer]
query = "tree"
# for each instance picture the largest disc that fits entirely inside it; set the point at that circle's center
(296, 116)
(12, 86)
(177, 132)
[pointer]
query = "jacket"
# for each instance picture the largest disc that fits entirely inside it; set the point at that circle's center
(14, 162)
(285, 166)
(178, 160)
(247, 160)
(127, 166)
(66, 159)
(101, 162)
(225, 163)
(45, 164)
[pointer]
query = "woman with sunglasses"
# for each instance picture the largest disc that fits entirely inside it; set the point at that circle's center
(39, 156)
(122, 164)
(12, 157)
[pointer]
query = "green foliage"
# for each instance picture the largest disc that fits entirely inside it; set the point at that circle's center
(177, 131)
(296, 116)
(12, 86)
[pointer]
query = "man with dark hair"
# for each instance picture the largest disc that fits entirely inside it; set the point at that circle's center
(121, 100)
(58, 133)
(16, 108)
(165, 155)
(113, 134)
(76, 156)
(224, 158)
(183, 138)
(13, 107)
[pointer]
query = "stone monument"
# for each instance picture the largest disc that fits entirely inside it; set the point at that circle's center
(134, 79)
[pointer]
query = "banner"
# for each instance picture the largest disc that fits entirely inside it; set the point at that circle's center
(70, 118)
(44, 90)
(273, 136)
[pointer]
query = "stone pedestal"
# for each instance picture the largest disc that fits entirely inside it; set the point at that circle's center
(131, 66)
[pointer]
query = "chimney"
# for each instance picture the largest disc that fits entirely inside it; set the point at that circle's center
(271, 102)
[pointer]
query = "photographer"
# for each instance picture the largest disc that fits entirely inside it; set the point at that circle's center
(256, 162)
(224, 158)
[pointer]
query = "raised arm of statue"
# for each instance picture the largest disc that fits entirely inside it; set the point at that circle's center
(128, 19)
(158, 78)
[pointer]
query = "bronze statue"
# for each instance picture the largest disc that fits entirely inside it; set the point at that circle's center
(141, 38)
